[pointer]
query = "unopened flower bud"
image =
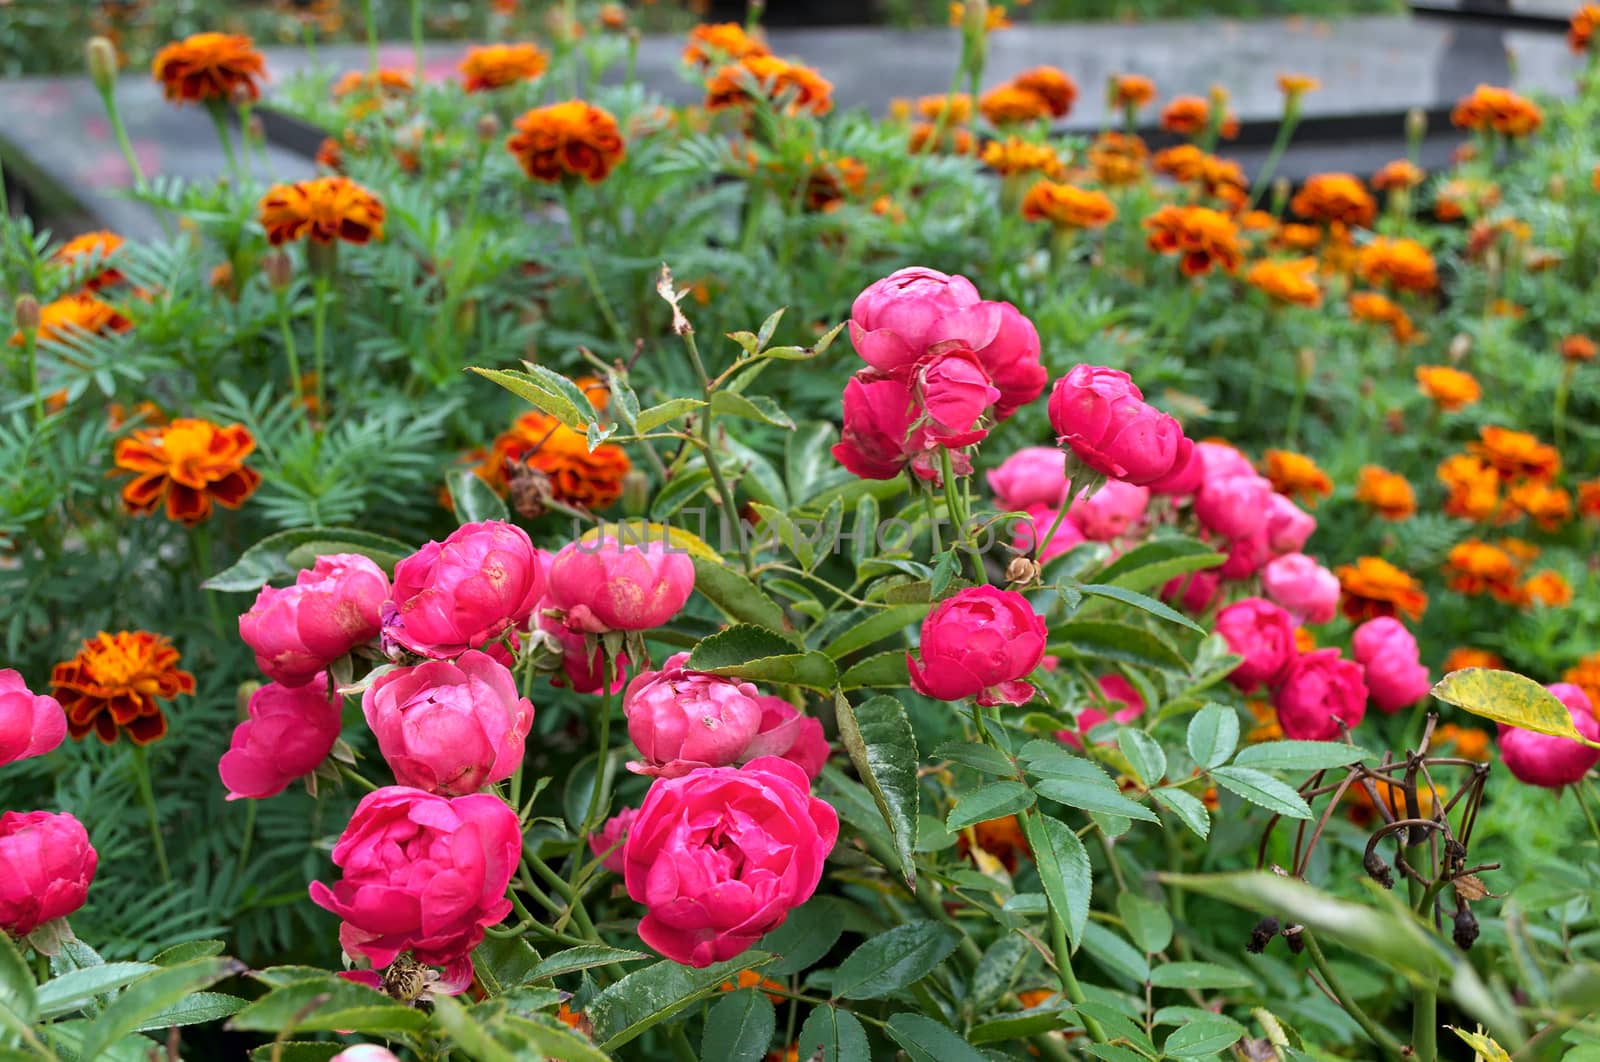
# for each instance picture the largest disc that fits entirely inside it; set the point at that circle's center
(241, 698)
(1416, 124)
(1465, 933)
(1023, 571)
(102, 58)
(635, 492)
(278, 270)
(1460, 347)
(1281, 187)
(1262, 935)
(26, 313)
(1557, 188)
(1306, 362)
(255, 129)
(1377, 869)
(488, 128)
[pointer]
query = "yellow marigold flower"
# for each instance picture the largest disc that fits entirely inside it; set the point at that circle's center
(994, 18)
(1297, 84)
(1524, 551)
(1296, 475)
(1053, 86)
(187, 464)
(323, 209)
(1374, 308)
(495, 66)
(954, 141)
(1293, 237)
(1220, 178)
(1335, 197)
(1516, 453)
(1011, 104)
(1474, 487)
(1118, 159)
(1203, 238)
(1290, 281)
(800, 88)
(957, 108)
(1372, 587)
(1404, 265)
(115, 682)
(1499, 110)
(714, 43)
(100, 246)
(568, 139)
(210, 68)
(1131, 90)
(1450, 389)
(1386, 493)
(1397, 175)
(1467, 742)
(1550, 506)
(1014, 155)
(1067, 206)
(76, 313)
(1475, 567)
(1548, 588)
(1585, 674)
(1461, 658)
(1580, 31)
(1578, 348)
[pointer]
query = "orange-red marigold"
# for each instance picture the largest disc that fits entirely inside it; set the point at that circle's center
(1372, 587)
(1335, 197)
(800, 87)
(1068, 206)
(1451, 389)
(92, 246)
(210, 67)
(711, 43)
(495, 66)
(1386, 493)
(568, 139)
(1204, 238)
(187, 464)
(323, 209)
(117, 681)
(1290, 281)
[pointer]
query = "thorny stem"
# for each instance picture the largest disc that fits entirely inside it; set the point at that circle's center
(958, 517)
(1374, 1032)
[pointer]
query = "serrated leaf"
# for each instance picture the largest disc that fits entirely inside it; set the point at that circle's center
(327, 1004)
(18, 998)
(1145, 921)
(650, 419)
(739, 1028)
(269, 559)
(466, 1034)
(1262, 790)
(149, 996)
(644, 998)
(199, 1008)
(1299, 755)
(1145, 755)
(1203, 1037)
(1091, 796)
(1119, 642)
(808, 460)
(807, 934)
(983, 758)
(1213, 735)
(547, 391)
(751, 407)
(1190, 809)
(757, 654)
(583, 957)
(879, 625)
(1140, 602)
(925, 1040)
(1199, 975)
(992, 801)
(1115, 953)
(1064, 870)
(1507, 697)
(71, 991)
(891, 961)
(472, 498)
(679, 491)
(1152, 563)
(833, 1035)
(736, 596)
(883, 747)
(886, 670)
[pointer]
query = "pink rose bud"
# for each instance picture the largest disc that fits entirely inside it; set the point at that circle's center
(1320, 691)
(1288, 525)
(1388, 655)
(422, 873)
(1033, 476)
(449, 727)
(1110, 512)
(1028, 534)
(980, 643)
(680, 720)
(955, 393)
(290, 732)
(895, 320)
(1103, 416)
(1263, 634)
(1307, 590)
(785, 732)
(755, 852)
(30, 724)
(1548, 761)
(46, 865)
(1219, 461)
(1185, 477)
(1117, 690)
(459, 594)
(584, 668)
(611, 585)
(1193, 592)
(365, 1053)
(1234, 506)
(1246, 556)
(299, 630)
(1011, 360)
(607, 843)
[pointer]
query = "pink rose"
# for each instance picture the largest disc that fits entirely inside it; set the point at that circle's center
(982, 643)
(954, 392)
(1193, 592)
(606, 843)
(46, 865)
(299, 630)
(289, 733)
(1111, 511)
(459, 594)
(30, 724)
(1103, 416)
(1118, 691)
(1305, 588)
(1320, 691)
(1263, 634)
(1388, 655)
(1012, 361)
(1548, 761)
(1186, 476)
(619, 585)
(422, 873)
(1027, 534)
(1234, 507)
(1288, 525)
(1033, 476)
(878, 439)
(720, 856)
(1219, 460)
(785, 732)
(1246, 556)
(584, 669)
(449, 727)
(895, 320)
(680, 720)
(365, 1053)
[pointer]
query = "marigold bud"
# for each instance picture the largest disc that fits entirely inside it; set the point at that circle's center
(1281, 187)
(488, 128)
(278, 270)
(255, 129)
(1416, 124)
(26, 313)
(1557, 188)
(101, 55)
(635, 492)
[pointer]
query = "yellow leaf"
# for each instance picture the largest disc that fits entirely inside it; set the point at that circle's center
(641, 532)
(1485, 1047)
(1509, 698)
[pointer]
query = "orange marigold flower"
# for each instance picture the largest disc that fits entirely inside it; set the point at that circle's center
(1372, 587)
(1380, 309)
(1550, 506)
(210, 68)
(1293, 237)
(1296, 475)
(1547, 587)
(76, 313)
(1456, 197)
(1578, 348)
(493, 66)
(1386, 493)
(1474, 487)
(1118, 159)
(1404, 265)
(1067, 206)
(1524, 551)
(1053, 86)
(1131, 90)
(1450, 389)
(1335, 197)
(1499, 110)
(1297, 84)
(1220, 178)
(830, 184)
(1001, 838)
(955, 141)
(1516, 453)
(1467, 742)
(330, 154)
(752, 979)
(568, 139)
(613, 17)
(714, 43)
(800, 88)
(390, 82)
(1033, 997)
(1186, 115)
(1305, 639)
(994, 18)
(1475, 567)
(322, 209)
(92, 246)
(574, 474)
(1290, 281)
(1398, 175)
(1589, 498)
(116, 681)
(188, 464)
(1205, 238)
(1585, 674)
(1010, 104)
(956, 108)
(1463, 657)
(1365, 814)
(1014, 155)
(1580, 31)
